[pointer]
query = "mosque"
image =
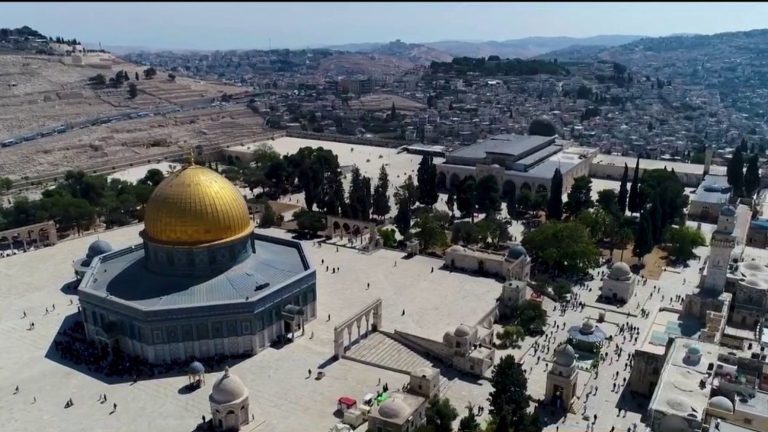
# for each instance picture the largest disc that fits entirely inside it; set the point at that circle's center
(201, 282)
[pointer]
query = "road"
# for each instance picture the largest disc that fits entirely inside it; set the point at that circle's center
(112, 118)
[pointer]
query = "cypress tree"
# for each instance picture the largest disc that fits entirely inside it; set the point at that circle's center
(555, 202)
(623, 192)
(634, 191)
(752, 176)
(643, 237)
(512, 203)
(735, 173)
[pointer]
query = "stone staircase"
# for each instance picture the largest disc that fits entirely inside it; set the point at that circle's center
(380, 350)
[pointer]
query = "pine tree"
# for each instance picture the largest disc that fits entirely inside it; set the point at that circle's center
(633, 203)
(752, 176)
(402, 218)
(555, 202)
(465, 198)
(735, 172)
(643, 237)
(426, 176)
(623, 192)
(380, 204)
(359, 196)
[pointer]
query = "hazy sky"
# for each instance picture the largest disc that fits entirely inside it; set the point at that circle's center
(298, 25)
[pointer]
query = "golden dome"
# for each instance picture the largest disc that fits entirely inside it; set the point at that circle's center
(195, 206)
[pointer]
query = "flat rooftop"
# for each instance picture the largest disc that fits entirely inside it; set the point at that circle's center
(713, 190)
(123, 276)
(680, 167)
(678, 390)
(668, 324)
(507, 144)
(757, 405)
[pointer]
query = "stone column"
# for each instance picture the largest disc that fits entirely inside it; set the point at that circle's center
(338, 343)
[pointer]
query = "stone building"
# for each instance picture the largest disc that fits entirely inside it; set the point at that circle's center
(518, 162)
(710, 197)
(562, 378)
(229, 403)
(514, 265)
(619, 285)
(201, 283)
(404, 411)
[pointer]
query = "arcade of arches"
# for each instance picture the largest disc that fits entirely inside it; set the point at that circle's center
(41, 234)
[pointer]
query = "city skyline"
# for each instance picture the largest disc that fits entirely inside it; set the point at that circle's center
(312, 25)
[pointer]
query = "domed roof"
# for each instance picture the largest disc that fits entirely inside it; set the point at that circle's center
(195, 206)
(721, 403)
(693, 350)
(728, 211)
(587, 327)
(99, 247)
(462, 331)
(425, 371)
(227, 389)
(393, 408)
(565, 355)
(516, 251)
(619, 271)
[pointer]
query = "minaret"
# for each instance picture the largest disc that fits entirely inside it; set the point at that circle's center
(707, 160)
(721, 245)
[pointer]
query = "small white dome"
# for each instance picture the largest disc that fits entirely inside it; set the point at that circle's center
(721, 403)
(462, 331)
(393, 408)
(424, 372)
(619, 271)
(565, 355)
(228, 389)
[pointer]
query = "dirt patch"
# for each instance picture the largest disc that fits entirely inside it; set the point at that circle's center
(654, 261)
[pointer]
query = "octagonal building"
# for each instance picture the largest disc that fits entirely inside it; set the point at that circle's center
(201, 282)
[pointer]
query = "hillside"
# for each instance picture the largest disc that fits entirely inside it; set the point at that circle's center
(526, 47)
(734, 63)
(414, 53)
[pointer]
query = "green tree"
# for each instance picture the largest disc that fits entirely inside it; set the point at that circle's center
(440, 414)
(579, 197)
(469, 422)
(542, 127)
(309, 222)
(511, 335)
(464, 233)
(562, 290)
(752, 176)
(682, 241)
(487, 196)
(359, 196)
(509, 397)
(430, 233)
(598, 222)
(98, 80)
(388, 237)
(633, 203)
(268, 217)
(393, 112)
(409, 190)
(264, 154)
(565, 247)
(465, 198)
(555, 202)
(735, 173)
(5, 184)
(623, 192)
(153, 177)
(149, 73)
(402, 218)
(426, 175)
(608, 200)
(332, 195)
(643, 236)
(380, 204)
(136, 77)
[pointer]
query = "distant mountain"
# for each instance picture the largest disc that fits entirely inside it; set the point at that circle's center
(415, 53)
(526, 47)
